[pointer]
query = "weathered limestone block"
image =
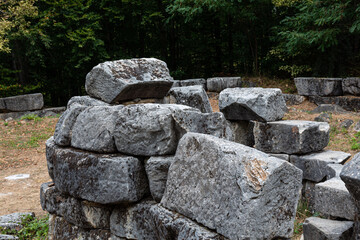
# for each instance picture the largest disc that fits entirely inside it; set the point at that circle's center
(243, 132)
(190, 82)
(145, 130)
(315, 228)
(259, 104)
(99, 178)
(218, 84)
(293, 99)
(63, 129)
(315, 165)
(333, 199)
(60, 229)
(236, 190)
(193, 96)
(351, 86)
(94, 128)
(157, 170)
(349, 103)
(291, 136)
(129, 79)
(310, 86)
(13, 221)
(22, 103)
(83, 214)
(86, 101)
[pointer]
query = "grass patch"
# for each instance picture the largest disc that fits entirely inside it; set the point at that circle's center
(302, 213)
(355, 141)
(32, 116)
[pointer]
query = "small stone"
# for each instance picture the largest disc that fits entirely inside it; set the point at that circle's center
(22, 103)
(330, 108)
(323, 117)
(86, 101)
(13, 220)
(346, 123)
(357, 126)
(293, 99)
(18, 177)
(315, 228)
(259, 104)
(310, 86)
(291, 136)
(351, 86)
(7, 237)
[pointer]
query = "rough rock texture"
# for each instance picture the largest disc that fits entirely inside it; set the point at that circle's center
(334, 170)
(22, 103)
(351, 86)
(348, 103)
(83, 214)
(291, 136)
(157, 170)
(293, 99)
(242, 132)
(190, 82)
(346, 123)
(94, 128)
(129, 79)
(259, 104)
(145, 130)
(319, 86)
(63, 129)
(285, 157)
(323, 117)
(50, 155)
(7, 237)
(13, 221)
(193, 96)
(333, 108)
(46, 112)
(236, 190)
(60, 229)
(218, 84)
(315, 165)
(100, 178)
(315, 228)
(333, 199)
(86, 101)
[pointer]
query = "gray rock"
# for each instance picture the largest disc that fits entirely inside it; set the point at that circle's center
(315, 165)
(129, 79)
(193, 96)
(259, 104)
(293, 99)
(285, 157)
(315, 228)
(22, 103)
(86, 101)
(94, 128)
(348, 103)
(50, 155)
(242, 132)
(13, 220)
(47, 112)
(323, 117)
(157, 170)
(63, 129)
(357, 126)
(310, 86)
(7, 237)
(346, 123)
(308, 194)
(331, 108)
(145, 130)
(291, 136)
(100, 178)
(190, 82)
(217, 84)
(333, 199)
(60, 229)
(83, 214)
(351, 86)
(236, 190)
(333, 171)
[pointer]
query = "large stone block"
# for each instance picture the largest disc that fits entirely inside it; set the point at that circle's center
(22, 103)
(236, 190)
(46, 112)
(129, 79)
(157, 170)
(315, 228)
(351, 86)
(83, 214)
(349, 103)
(293, 99)
(94, 129)
(310, 86)
(217, 84)
(190, 82)
(243, 132)
(291, 136)
(333, 199)
(100, 178)
(86, 101)
(315, 165)
(193, 96)
(259, 104)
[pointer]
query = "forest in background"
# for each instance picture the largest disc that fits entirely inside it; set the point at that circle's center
(49, 46)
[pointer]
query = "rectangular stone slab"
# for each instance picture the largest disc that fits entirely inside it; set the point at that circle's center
(318, 229)
(22, 103)
(233, 189)
(309, 86)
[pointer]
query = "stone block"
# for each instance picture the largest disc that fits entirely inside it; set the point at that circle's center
(7, 237)
(315, 165)
(81, 213)
(46, 112)
(293, 99)
(233, 189)
(243, 132)
(94, 129)
(309, 86)
(291, 136)
(258, 104)
(13, 220)
(193, 96)
(334, 170)
(190, 82)
(332, 108)
(217, 84)
(351, 86)
(348, 103)
(157, 170)
(128, 79)
(99, 178)
(315, 228)
(282, 156)
(86, 101)
(333, 199)
(22, 103)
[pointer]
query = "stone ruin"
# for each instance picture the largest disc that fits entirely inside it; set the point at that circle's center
(137, 159)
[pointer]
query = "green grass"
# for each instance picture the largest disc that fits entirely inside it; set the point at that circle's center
(355, 142)
(302, 213)
(31, 117)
